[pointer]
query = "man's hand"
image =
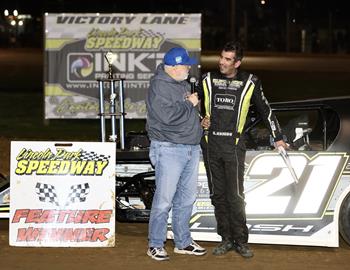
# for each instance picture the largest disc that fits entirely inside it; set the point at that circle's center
(193, 98)
(281, 143)
(205, 122)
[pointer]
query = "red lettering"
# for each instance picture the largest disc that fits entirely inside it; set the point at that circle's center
(90, 215)
(62, 235)
(43, 235)
(86, 235)
(62, 215)
(79, 216)
(21, 213)
(100, 234)
(30, 234)
(48, 216)
(56, 234)
(33, 216)
(71, 235)
(104, 216)
(71, 217)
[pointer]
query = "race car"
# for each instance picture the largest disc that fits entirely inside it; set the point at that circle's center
(310, 208)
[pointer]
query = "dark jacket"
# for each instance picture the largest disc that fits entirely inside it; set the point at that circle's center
(227, 101)
(170, 117)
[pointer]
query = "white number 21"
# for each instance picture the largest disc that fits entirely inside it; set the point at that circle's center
(270, 188)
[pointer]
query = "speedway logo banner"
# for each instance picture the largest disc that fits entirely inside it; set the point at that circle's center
(62, 194)
(75, 45)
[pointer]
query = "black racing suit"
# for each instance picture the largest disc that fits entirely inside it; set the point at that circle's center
(227, 102)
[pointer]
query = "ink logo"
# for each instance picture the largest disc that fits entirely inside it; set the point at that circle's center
(80, 66)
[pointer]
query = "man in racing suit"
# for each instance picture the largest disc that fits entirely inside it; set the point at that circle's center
(227, 96)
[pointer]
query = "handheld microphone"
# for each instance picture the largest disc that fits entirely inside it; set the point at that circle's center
(193, 84)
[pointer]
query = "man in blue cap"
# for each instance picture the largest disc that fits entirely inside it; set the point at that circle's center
(175, 132)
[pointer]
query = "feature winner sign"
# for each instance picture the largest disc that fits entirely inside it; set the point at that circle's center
(75, 45)
(62, 194)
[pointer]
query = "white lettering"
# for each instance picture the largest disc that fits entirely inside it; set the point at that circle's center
(303, 229)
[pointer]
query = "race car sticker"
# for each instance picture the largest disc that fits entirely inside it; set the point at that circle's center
(279, 210)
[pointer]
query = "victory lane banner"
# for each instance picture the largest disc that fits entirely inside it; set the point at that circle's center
(62, 194)
(75, 45)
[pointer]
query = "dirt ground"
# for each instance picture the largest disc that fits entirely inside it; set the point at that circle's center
(130, 253)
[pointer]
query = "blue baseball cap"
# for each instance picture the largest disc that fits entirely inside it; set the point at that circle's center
(178, 56)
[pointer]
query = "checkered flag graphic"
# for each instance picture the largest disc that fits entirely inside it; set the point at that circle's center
(93, 156)
(150, 33)
(78, 193)
(46, 193)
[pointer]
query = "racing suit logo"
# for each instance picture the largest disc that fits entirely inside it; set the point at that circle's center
(225, 102)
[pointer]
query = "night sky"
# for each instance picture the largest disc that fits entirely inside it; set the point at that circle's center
(264, 24)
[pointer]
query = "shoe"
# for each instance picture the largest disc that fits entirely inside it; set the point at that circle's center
(158, 254)
(192, 249)
(224, 247)
(243, 250)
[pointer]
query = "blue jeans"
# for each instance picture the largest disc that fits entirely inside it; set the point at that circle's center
(176, 167)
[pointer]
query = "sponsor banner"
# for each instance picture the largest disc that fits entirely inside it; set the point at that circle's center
(279, 210)
(75, 45)
(62, 194)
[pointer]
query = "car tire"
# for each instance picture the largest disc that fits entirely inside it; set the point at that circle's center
(344, 219)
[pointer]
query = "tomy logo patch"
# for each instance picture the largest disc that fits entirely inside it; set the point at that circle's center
(225, 102)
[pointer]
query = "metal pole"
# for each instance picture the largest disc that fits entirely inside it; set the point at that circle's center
(122, 115)
(102, 111)
(113, 137)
